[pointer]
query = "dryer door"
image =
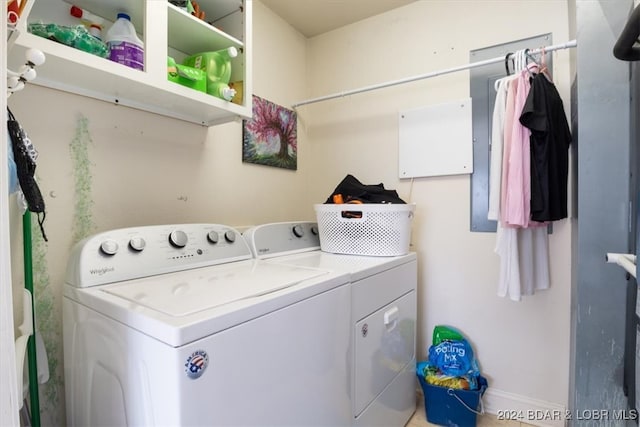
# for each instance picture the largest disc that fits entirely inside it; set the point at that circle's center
(384, 344)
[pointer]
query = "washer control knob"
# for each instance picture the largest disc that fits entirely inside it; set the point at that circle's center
(230, 236)
(109, 247)
(178, 239)
(298, 231)
(137, 244)
(212, 237)
(314, 230)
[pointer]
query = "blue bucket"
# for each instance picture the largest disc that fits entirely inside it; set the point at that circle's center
(450, 407)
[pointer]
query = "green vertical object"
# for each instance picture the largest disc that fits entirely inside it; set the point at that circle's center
(31, 344)
(83, 224)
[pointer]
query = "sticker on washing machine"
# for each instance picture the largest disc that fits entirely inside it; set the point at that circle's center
(196, 364)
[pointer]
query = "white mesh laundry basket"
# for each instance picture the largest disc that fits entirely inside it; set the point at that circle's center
(365, 229)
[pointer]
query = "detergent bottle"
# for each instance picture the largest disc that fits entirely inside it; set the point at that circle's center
(217, 66)
(124, 45)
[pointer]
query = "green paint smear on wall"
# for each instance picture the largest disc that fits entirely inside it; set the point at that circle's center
(83, 224)
(49, 328)
(48, 311)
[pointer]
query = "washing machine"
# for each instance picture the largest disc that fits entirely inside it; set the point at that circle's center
(383, 318)
(179, 325)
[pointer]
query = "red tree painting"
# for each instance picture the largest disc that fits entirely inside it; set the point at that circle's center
(271, 136)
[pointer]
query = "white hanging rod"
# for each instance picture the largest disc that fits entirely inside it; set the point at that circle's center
(626, 261)
(569, 44)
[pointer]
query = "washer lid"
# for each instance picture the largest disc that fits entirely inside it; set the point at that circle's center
(192, 291)
(358, 266)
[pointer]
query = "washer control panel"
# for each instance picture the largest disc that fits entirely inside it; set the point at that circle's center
(281, 238)
(130, 253)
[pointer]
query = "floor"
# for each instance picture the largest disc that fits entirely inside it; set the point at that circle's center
(419, 419)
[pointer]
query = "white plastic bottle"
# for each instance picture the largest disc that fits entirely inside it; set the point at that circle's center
(124, 45)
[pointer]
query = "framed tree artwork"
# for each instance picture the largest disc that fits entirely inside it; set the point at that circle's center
(270, 138)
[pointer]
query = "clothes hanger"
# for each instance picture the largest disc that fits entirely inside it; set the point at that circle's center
(508, 57)
(518, 63)
(506, 62)
(526, 56)
(543, 62)
(530, 57)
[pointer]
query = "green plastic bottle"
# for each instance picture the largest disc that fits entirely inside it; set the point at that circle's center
(217, 66)
(445, 333)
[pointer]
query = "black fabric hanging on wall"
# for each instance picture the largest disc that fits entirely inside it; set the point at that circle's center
(24, 155)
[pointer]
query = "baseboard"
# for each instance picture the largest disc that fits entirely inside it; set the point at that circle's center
(505, 405)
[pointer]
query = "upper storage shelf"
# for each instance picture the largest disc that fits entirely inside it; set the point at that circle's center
(166, 30)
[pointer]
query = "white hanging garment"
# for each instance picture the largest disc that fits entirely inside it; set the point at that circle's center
(533, 251)
(523, 251)
(497, 143)
(507, 249)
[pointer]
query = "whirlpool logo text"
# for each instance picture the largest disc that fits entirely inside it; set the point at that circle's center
(101, 271)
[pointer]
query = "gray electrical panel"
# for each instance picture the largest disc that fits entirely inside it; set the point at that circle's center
(483, 96)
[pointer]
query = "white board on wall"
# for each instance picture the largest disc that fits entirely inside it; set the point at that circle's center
(436, 140)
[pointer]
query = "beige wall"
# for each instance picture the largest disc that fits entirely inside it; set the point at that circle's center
(148, 169)
(523, 347)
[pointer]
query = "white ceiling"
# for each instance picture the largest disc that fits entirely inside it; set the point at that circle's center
(313, 17)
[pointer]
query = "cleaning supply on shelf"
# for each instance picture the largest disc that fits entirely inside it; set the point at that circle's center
(124, 45)
(84, 16)
(217, 65)
(13, 11)
(238, 86)
(197, 12)
(77, 37)
(184, 5)
(93, 22)
(193, 78)
(96, 31)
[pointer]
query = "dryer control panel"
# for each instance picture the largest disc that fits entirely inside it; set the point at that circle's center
(130, 253)
(282, 238)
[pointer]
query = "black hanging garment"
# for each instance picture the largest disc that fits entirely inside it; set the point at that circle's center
(543, 114)
(352, 190)
(24, 155)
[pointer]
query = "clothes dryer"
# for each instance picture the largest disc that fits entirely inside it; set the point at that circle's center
(179, 325)
(383, 318)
